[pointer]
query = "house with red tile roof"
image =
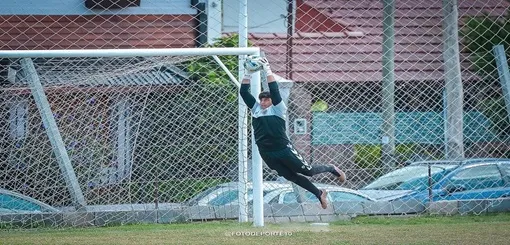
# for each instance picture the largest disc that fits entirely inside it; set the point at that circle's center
(335, 55)
(341, 41)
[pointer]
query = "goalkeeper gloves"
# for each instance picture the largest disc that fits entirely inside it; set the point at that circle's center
(265, 64)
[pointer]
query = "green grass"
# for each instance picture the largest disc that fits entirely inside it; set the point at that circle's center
(486, 229)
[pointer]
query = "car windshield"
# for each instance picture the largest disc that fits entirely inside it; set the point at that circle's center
(8, 202)
(201, 195)
(231, 196)
(292, 197)
(407, 178)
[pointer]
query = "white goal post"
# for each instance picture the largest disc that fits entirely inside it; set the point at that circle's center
(59, 147)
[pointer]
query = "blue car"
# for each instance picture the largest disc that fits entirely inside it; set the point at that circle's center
(447, 179)
(13, 202)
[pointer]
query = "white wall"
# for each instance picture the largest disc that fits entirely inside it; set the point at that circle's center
(264, 16)
(77, 7)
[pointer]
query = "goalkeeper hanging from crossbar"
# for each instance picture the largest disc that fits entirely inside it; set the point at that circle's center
(268, 120)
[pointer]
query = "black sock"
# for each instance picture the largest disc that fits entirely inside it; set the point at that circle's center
(318, 169)
(334, 172)
(319, 196)
(307, 185)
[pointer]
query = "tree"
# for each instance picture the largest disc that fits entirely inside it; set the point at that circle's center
(480, 35)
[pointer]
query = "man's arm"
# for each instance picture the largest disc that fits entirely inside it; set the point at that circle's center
(271, 82)
(244, 91)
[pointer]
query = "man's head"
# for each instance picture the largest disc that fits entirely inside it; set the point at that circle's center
(265, 99)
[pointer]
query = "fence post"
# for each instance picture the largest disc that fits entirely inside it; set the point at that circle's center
(453, 81)
(504, 75)
(388, 86)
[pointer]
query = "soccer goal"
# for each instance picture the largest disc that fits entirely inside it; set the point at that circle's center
(147, 130)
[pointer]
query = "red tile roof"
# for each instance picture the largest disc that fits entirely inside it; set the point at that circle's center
(342, 40)
(96, 31)
(313, 20)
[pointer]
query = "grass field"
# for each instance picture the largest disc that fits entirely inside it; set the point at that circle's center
(486, 229)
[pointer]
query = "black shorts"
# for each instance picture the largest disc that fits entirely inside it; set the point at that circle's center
(286, 161)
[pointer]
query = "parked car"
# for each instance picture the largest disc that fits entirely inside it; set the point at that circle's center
(13, 202)
(227, 193)
(287, 195)
(449, 180)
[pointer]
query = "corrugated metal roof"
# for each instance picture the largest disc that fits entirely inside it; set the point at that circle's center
(111, 71)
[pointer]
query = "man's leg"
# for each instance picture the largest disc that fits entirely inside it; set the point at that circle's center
(297, 163)
(300, 180)
(305, 183)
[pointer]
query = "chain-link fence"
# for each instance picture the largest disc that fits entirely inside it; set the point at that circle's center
(409, 98)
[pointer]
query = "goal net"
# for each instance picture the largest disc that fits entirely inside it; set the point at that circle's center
(120, 133)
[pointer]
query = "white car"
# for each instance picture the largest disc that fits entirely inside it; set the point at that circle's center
(273, 192)
(288, 195)
(227, 193)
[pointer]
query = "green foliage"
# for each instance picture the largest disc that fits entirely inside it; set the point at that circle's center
(494, 108)
(368, 156)
(319, 106)
(405, 151)
(479, 35)
(207, 70)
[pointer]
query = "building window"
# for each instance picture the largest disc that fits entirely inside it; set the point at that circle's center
(111, 4)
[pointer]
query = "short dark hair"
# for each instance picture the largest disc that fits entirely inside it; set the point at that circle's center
(264, 94)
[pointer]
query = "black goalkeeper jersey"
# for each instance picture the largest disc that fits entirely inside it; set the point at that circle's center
(268, 124)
